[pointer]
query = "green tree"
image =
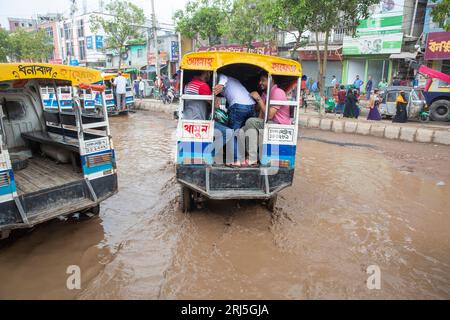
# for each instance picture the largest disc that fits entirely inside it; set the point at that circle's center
(248, 22)
(30, 46)
(4, 45)
(440, 13)
(124, 24)
(203, 20)
(287, 16)
(325, 15)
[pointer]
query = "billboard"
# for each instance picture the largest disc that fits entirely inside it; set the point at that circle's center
(381, 33)
(438, 46)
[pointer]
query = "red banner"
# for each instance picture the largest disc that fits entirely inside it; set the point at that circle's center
(438, 46)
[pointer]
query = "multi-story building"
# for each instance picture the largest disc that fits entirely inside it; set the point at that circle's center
(79, 44)
(24, 23)
(386, 42)
(435, 43)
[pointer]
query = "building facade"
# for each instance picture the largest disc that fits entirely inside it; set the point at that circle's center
(79, 45)
(16, 23)
(386, 42)
(436, 43)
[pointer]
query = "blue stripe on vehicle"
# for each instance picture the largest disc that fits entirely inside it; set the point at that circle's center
(279, 149)
(12, 184)
(278, 152)
(190, 150)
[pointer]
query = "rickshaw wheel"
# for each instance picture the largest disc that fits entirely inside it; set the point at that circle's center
(272, 203)
(186, 199)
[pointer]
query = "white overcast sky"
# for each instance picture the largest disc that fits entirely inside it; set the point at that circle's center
(28, 8)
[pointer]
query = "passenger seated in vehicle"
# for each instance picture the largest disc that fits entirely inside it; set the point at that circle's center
(197, 109)
(241, 107)
(277, 114)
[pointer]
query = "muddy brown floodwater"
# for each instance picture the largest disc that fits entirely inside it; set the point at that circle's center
(355, 202)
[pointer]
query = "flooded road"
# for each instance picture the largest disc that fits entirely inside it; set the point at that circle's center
(355, 202)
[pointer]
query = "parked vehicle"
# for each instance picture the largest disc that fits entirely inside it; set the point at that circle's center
(199, 168)
(415, 99)
(108, 97)
(56, 151)
(437, 93)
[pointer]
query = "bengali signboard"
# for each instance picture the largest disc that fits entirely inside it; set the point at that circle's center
(381, 33)
(438, 46)
(257, 47)
(151, 58)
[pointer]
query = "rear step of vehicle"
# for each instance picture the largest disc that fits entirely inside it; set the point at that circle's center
(47, 204)
(240, 194)
(76, 205)
(249, 180)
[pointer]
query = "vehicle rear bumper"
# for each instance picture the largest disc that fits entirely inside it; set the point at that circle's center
(221, 183)
(59, 201)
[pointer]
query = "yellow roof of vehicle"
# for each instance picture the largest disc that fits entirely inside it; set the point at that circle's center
(77, 75)
(214, 60)
(109, 76)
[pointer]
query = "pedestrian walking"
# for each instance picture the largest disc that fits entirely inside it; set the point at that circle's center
(369, 85)
(120, 83)
(374, 102)
(141, 88)
(350, 105)
(340, 100)
(401, 114)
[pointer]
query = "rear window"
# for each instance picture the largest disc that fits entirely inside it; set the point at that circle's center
(14, 110)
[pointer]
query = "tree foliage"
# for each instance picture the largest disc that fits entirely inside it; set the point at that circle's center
(203, 20)
(440, 14)
(4, 45)
(248, 22)
(24, 45)
(121, 26)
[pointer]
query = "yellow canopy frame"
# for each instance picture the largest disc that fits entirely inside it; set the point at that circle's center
(214, 60)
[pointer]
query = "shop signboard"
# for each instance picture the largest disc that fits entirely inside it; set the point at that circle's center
(438, 46)
(381, 33)
(257, 47)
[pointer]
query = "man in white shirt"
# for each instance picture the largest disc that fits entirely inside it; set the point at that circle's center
(241, 107)
(240, 104)
(333, 81)
(141, 88)
(120, 82)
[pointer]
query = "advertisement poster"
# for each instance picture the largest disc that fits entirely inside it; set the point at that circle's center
(89, 44)
(381, 33)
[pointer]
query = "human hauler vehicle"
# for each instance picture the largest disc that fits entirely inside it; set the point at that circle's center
(415, 102)
(199, 168)
(56, 151)
(437, 93)
(108, 97)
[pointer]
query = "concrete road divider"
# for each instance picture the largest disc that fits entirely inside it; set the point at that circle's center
(410, 131)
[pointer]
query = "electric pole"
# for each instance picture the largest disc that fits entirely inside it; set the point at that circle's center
(155, 39)
(73, 9)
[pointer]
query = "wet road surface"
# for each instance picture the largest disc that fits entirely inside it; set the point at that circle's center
(356, 201)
